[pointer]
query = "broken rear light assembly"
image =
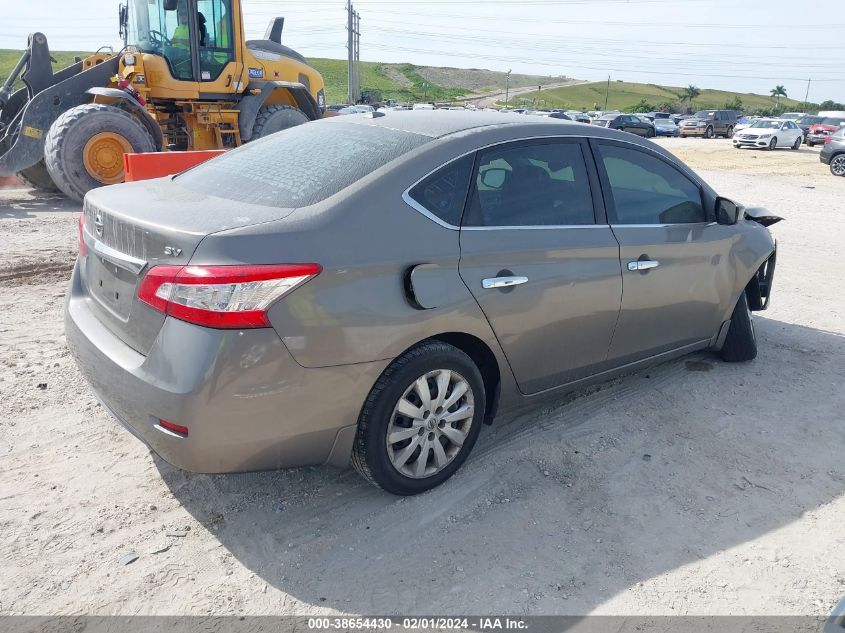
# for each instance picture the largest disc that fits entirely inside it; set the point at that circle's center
(225, 297)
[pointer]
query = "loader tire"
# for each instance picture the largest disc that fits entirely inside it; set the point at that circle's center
(84, 147)
(275, 118)
(37, 177)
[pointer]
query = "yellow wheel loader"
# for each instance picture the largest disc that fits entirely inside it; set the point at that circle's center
(186, 79)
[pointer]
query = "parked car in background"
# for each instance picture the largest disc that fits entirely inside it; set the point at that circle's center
(263, 339)
(648, 116)
(821, 131)
(833, 152)
(805, 122)
(626, 123)
(424, 106)
(744, 122)
(560, 115)
(666, 127)
(770, 134)
(710, 123)
(356, 109)
(792, 116)
(577, 115)
(660, 115)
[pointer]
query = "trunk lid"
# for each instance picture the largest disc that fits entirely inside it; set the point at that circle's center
(132, 227)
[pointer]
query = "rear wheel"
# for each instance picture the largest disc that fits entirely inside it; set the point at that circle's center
(797, 144)
(275, 118)
(421, 420)
(85, 146)
(837, 165)
(37, 177)
(741, 341)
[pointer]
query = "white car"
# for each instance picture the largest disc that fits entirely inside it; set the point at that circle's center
(770, 134)
(424, 106)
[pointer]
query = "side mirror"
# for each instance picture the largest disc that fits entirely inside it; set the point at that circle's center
(170, 5)
(494, 178)
(728, 212)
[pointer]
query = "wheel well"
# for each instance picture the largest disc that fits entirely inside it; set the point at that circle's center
(485, 360)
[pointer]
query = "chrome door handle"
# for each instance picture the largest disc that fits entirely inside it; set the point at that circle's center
(502, 282)
(643, 264)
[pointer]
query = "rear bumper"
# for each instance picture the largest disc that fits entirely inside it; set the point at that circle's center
(247, 404)
(826, 154)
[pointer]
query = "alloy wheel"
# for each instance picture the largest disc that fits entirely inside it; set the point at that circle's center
(837, 165)
(430, 423)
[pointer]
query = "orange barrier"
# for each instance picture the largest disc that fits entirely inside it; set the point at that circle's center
(158, 164)
(10, 181)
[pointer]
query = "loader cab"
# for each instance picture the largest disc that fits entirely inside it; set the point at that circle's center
(196, 38)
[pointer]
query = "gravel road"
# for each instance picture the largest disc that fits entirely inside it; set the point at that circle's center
(694, 487)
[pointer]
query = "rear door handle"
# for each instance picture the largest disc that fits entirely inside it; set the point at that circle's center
(503, 282)
(643, 264)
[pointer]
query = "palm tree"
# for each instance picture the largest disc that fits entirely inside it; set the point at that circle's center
(777, 92)
(690, 93)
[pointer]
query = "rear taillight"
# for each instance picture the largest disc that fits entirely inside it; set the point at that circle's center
(80, 225)
(179, 429)
(222, 296)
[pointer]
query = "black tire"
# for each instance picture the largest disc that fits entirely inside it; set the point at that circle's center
(275, 118)
(369, 455)
(809, 144)
(730, 132)
(741, 341)
(797, 144)
(709, 133)
(773, 144)
(66, 139)
(649, 133)
(37, 177)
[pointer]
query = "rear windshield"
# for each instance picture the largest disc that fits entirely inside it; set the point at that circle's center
(300, 166)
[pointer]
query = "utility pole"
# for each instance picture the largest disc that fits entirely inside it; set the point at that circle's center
(606, 92)
(507, 86)
(357, 56)
(350, 51)
(807, 94)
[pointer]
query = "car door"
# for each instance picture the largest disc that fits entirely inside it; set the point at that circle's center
(541, 260)
(674, 257)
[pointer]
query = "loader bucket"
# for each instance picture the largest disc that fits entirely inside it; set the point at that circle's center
(29, 112)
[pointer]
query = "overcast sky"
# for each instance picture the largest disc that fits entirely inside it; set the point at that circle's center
(745, 46)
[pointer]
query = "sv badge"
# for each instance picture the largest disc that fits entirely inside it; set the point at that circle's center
(172, 251)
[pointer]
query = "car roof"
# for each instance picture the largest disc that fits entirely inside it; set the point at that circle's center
(440, 123)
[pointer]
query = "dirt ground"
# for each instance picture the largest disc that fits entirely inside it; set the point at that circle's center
(694, 487)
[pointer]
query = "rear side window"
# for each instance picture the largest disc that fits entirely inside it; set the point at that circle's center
(647, 190)
(300, 166)
(531, 185)
(444, 192)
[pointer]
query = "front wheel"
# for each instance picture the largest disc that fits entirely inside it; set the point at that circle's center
(837, 165)
(37, 177)
(420, 420)
(649, 133)
(741, 341)
(709, 133)
(84, 147)
(730, 132)
(773, 143)
(275, 118)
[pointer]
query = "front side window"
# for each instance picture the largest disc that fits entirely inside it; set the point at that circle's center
(647, 190)
(165, 33)
(214, 18)
(531, 185)
(444, 192)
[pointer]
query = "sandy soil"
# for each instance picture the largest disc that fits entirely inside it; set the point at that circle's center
(695, 487)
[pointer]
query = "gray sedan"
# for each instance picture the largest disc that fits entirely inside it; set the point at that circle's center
(372, 289)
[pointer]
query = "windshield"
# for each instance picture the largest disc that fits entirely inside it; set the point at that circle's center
(664, 122)
(809, 120)
(773, 125)
(300, 166)
(705, 114)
